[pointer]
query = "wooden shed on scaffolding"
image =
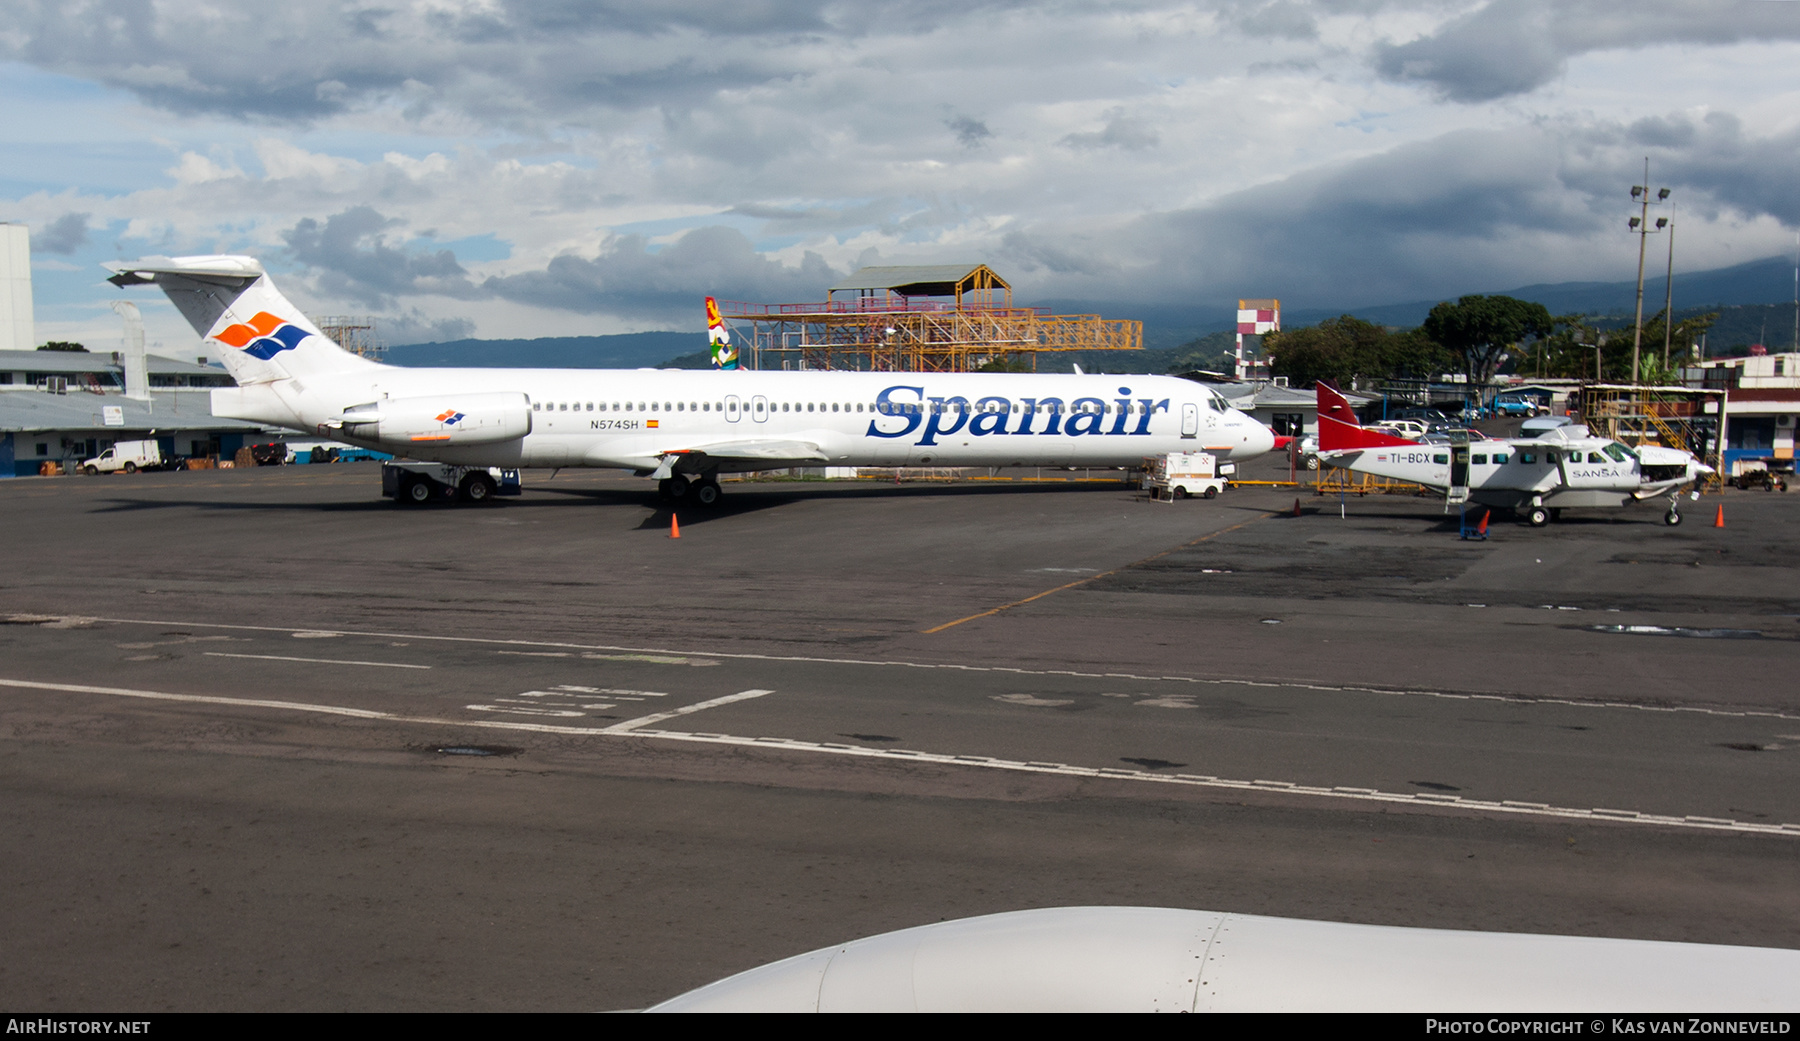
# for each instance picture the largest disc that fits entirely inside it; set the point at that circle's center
(922, 318)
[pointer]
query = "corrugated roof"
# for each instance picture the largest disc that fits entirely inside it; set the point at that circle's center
(911, 275)
(95, 361)
(34, 411)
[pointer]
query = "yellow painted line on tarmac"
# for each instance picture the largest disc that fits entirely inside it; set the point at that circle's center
(1103, 574)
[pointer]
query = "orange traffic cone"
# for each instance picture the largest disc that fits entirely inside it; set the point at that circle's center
(674, 527)
(1296, 512)
(1719, 521)
(1481, 529)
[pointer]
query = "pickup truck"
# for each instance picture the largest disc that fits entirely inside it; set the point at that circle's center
(129, 456)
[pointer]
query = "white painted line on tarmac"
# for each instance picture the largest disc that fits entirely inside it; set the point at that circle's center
(672, 657)
(200, 699)
(658, 717)
(316, 661)
(634, 728)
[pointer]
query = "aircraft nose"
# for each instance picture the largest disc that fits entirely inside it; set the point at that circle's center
(1261, 440)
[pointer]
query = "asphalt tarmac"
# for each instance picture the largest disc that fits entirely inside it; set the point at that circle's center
(272, 742)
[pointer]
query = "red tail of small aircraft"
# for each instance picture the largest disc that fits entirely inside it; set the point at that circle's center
(1338, 429)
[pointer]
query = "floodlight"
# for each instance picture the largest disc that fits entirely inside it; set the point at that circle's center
(1637, 191)
(1661, 223)
(1634, 223)
(1664, 194)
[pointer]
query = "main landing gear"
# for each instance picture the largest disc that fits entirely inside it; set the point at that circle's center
(703, 490)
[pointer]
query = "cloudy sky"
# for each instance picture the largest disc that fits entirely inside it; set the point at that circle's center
(509, 168)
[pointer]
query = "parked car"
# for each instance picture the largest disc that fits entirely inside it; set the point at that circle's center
(1542, 425)
(1515, 405)
(1426, 416)
(1411, 429)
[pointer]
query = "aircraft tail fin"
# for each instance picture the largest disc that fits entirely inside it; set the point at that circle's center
(724, 355)
(1338, 429)
(260, 336)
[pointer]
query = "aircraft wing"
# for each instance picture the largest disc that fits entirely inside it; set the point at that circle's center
(749, 454)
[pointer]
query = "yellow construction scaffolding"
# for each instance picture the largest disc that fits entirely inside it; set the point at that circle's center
(920, 319)
(1674, 417)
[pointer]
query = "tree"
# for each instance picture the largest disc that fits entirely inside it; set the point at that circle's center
(1337, 349)
(62, 345)
(1346, 348)
(1480, 330)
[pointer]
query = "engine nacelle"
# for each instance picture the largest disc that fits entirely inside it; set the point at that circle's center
(447, 419)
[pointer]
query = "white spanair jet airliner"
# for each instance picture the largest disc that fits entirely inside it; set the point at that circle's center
(682, 427)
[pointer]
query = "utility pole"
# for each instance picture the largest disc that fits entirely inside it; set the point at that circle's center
(1641, 225)
(1669, 299)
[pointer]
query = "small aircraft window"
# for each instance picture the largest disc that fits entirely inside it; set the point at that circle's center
(1478, 460)
(809, 406)
(706, 406)
(1596, 457)
(1527, 458)
(1617, 453)
(1440, 458)
(590, 406)
(1500, 458)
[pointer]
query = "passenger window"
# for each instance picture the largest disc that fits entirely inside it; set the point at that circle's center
(1527, 458)
(1500, 460)
(1440, 458)
(1596, 457)
(1478, 460)
(536, 407)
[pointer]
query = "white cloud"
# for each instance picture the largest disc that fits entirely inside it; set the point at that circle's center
(629, 158)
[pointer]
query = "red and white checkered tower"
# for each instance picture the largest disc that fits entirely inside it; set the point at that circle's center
(1255, 317)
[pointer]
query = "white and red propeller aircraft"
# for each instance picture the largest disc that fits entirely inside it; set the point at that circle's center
(1540, 477)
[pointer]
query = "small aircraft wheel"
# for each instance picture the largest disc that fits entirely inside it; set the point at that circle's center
(131, 468)
(1671, 518)
(416, 491)
(1537, 516)
(1211, 492)
(707, 493)
(91, 471)
(478, 488)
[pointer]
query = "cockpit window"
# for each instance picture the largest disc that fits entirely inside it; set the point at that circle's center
(1617, 452)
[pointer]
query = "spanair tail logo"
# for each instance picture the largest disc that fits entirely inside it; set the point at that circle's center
(450, 418)
(264, 336)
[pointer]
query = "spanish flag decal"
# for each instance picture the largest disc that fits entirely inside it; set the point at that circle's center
(650, 424)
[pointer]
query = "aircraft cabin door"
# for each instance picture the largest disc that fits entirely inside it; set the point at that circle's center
(1459, 470)
(1190, 420)
(759, 408)
(731, 408)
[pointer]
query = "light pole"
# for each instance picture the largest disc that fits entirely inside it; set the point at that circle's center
(1669, 285)
(1641, 225)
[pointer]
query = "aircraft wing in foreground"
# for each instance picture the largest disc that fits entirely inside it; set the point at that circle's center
(1156, 959)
